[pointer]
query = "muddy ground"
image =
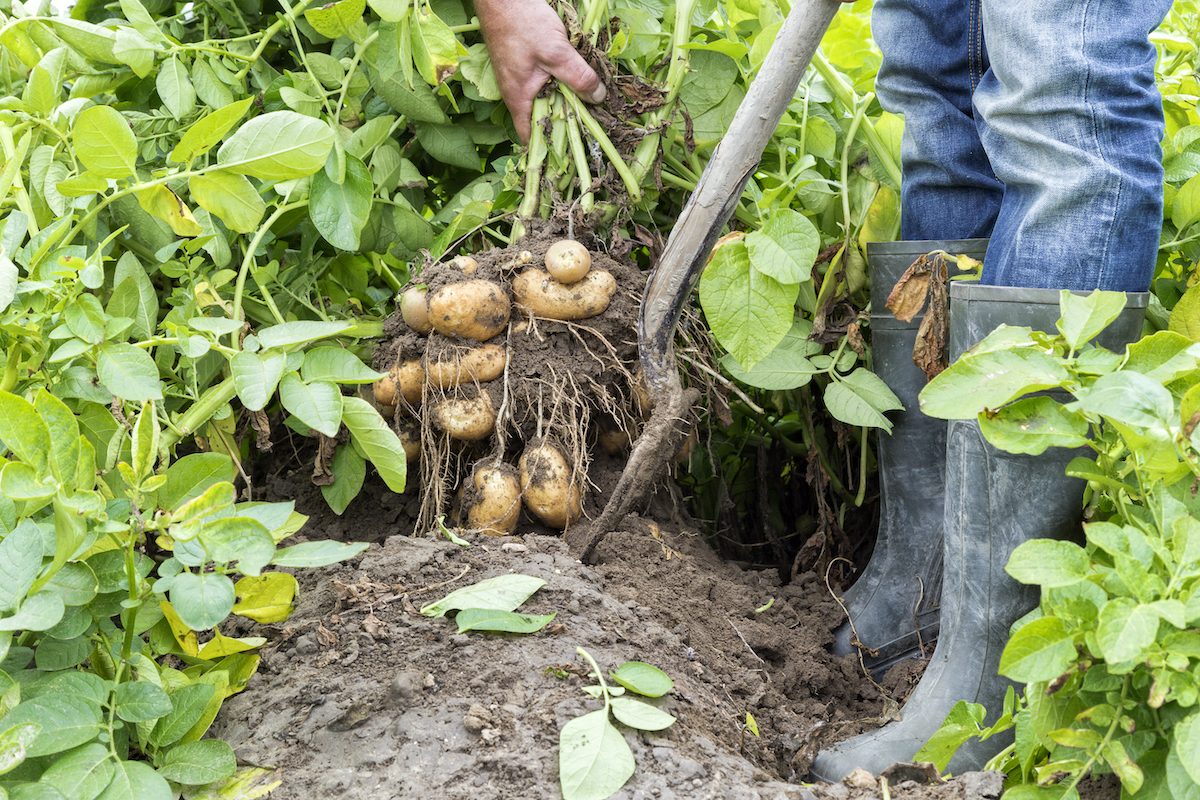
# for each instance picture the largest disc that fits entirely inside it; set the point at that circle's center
(360, 696)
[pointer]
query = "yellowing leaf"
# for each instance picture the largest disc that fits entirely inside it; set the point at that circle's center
(230, 196)
(266, 598)
(185, 637)
(220, 646)
(161, 202)
(250, 783)
(336, 19)
(435, 49)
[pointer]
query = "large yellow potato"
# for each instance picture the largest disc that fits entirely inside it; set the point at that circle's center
(467, 418)
(477, 365)
(385, 390)
(547, 486)
(476, 309)
(536, 291)
(498, 505)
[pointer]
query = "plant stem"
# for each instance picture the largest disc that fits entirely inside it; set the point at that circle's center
(846, 95)
(632, 184)
(599, 675)
(248, 259)
(586, 200)
(535, 157)
(200, 412)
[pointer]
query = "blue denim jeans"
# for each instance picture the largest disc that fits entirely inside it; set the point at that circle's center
(1034, 122)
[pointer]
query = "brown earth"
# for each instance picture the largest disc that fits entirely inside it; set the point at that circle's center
(360, 696)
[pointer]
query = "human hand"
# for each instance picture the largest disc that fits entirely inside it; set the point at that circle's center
(528, 45)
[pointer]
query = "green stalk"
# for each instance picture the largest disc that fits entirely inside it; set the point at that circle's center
(248, 259)
(12, 366)
(847, 96)
(535, 158)
(587, 201)
(599, 675)
(859, 117)
(593, 17)
(200, 412)
(680, 37)
(632, 185)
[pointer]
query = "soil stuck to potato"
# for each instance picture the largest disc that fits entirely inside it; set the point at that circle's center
(569, 382)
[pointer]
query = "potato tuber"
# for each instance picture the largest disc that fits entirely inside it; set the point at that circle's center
(476, 309)
(536, 291)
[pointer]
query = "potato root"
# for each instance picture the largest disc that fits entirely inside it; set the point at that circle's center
(568, 261)
(478, 365)
(498, 501)
(550, 491)
(476, 309)
(536, 291)
(414, 309)
(466, 418)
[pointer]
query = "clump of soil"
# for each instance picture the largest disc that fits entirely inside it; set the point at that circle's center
(360, 696)
(571, 383)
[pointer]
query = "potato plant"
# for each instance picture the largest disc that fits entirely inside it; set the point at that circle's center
(511, 384)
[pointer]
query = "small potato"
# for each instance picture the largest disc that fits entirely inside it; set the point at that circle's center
(478, 365)
(409, 431)
(689, 444)
(385, 390)
(464, 264)
(467, 418)
(641, 395)
(476, 309)
(414, 308)
(410, 379)
(536, 291)
(547, 485)
(498, 506)
(568, 261)
(613, 442)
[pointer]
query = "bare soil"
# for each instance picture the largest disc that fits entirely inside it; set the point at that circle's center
(360, 696)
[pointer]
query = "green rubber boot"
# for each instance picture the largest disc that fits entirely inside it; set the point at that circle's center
(898, 592)
(994, 502)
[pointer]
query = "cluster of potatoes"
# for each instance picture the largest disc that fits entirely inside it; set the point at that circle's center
(475, 313)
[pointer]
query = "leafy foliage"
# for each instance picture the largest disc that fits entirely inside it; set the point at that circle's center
(1110, 657)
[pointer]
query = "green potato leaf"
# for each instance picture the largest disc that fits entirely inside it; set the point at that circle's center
(104, 142)
(481, 619)
(278, 146)
(640, 714)
(645, 679)
(340, 210)
(749, 311)
(593, 759)
(503, 593)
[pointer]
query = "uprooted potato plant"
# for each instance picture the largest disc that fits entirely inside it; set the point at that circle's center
(513, 387)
